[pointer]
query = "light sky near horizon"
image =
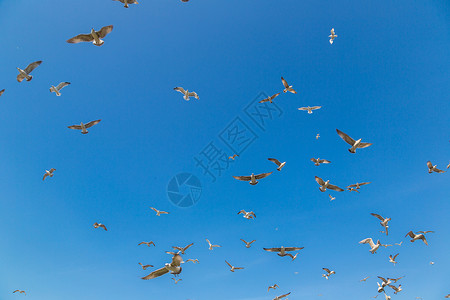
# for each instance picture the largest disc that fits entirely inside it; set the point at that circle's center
(385, 79)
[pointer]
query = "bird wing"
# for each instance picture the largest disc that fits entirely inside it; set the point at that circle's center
(368, 241)
(378, 216)
(364, 145)
(92, 123)
(293, 248)
(302, 108)
(244, 241)
(264, 100)
(332, 31)
(32, 66)
(241, 212)
(395, 256)
(188, 246)
(272, 249)
(104, 31)
(274, 96)
(193, 94)
(81, 38)
(334, 188)
(411, 234)
(74, 127)
(176, 260)
(104, 227)
(262, 175)
(156, 273)
(319, 180)
(276, 161)
(52, 170)
(180, 89)
(252, 241)
(62, 84)
(285, 295)
(229, 264)
(429, 165)
(286, 85)
(424, 232)
(314, 159)
(316, 107)
(345, 137)
(326, 270)
(45, 175)
(243, 178)
(324, 161)
(384, 280)
(364, 183)
(2, 91)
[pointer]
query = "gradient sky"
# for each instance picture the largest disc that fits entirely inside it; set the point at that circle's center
(385, 79)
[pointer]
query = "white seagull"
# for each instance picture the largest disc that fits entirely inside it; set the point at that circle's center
(248, 244)
(211, 246)
(324, 185)
(83, 127)
(25, 74)
(332, 36)
(252, 178)
(126, 2)
(331, 197)
(287, 87)
(159, 212)
(57, 89)
(278, 163)
(182, 249)
(99, 225)
(232, 268)
(355, 144)
(318, 161)
(309, 108)
(174, 267)
(186, 93)
(419, 236)
(49, 173)
(248, 215)
(329, 273)
(434, 168)
(282, 296)
(95, 36)
(384, 221)
(396, 289)
(392, 258)
(373, 247)
(269, 99)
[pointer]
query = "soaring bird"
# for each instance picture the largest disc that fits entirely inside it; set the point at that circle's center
(174, 267)
(176, 280)
(385, 282)
(95, 36)
(318, 161)
(83, 127)
(145, 267)
(248, 215)
(329, 273)
(309, 108)
(394, 280)
(324, 185)
(25, 74)
(278, 163)
(282, 296)
(384, 221)
(233, 156)
(147, 243)
(373, 247)
(252, 178)
(48, 173)
(2, 91)
(282, 251)
(186, 93)
(99, 225)
(211, 246)
(20, 292)
(126, 2)
(287, 87)
(275, 286)
(392, 258)
(358, 185)
(159, 212)
(195, 261)
(399, 244)
(331, 197)
(269, 99)
(434, 168)
(419, 236)
(182, 249)
(395, 288)
(248, 244)
(355, 144)
(332, 36)
(232, 268)
(57, 89)
(364, 279)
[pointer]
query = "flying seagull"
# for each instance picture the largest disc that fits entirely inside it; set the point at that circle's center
(159, 212)
(211, 246)
(176, 280)
(373, 247)
(174, 267)
(434, 168)
(329, 273)
(252, 178)
(364, 279)
(324, 185)
(183, 249)
(95, 36)
(20, 292)
(269, 99)
(419, 236)
(399, 244)
(25, 74)
(232, 268)
(357, 185)
(145, 267)
(147, 243)
(248, 244)
(99, 225)
(126, 2)
(384, 221)
(49, 173)
(282, 296)
(233, 156)
(309, 108)
(318, 161)
(385, 283)
(275, 286)
(193, 260)
(394, 280)
(355, 144)
(186, 93)
(331, 197)
(392, 258)
(57, 89)
(287, 87)
(282, 251)
(248, 215)
(83, 127)
(332, 36)
(352, 189)
(317, 136)
(396, 289)
(278, 163)
(2, 91)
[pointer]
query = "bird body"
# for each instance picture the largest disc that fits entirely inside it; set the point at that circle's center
(248, 244)
(384, 221)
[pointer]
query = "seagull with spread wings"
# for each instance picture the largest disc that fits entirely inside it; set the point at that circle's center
(83, 127)
(354, 144)
(419, 236)
(287, 87)
(394, 280)
(159, 212)
(48, 173)
(195, 261)
(20, 292)
(364, 279)
(233, 156)
(278, 163)
(332, 36)
(2, 91)
(182, 249)
(392, 258)
(247, 214)
(318, 161)
(174, 267)
(126, 2)
(252, 178)
(147, 243)
(211, 246)
(309, 109)
(282, 251)
(282, 296)
(324, 185)
(331, 197)
(373, 247)
(176, 280)
(396, 289)
(329, 273)
(186, 93)
(25, 74)
(384, 221)
(269, 99)
(57, 89)
(145, 267)
(434, 168)
(232, 268)
(95, 36)
(99, 225)
(248, 244)
(275, 286)
(357, 185)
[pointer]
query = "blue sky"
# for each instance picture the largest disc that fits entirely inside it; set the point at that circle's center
(385, 79)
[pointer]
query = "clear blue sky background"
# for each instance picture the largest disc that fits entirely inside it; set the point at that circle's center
(386, 79)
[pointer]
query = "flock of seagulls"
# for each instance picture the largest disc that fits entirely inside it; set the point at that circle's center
(174, 267)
